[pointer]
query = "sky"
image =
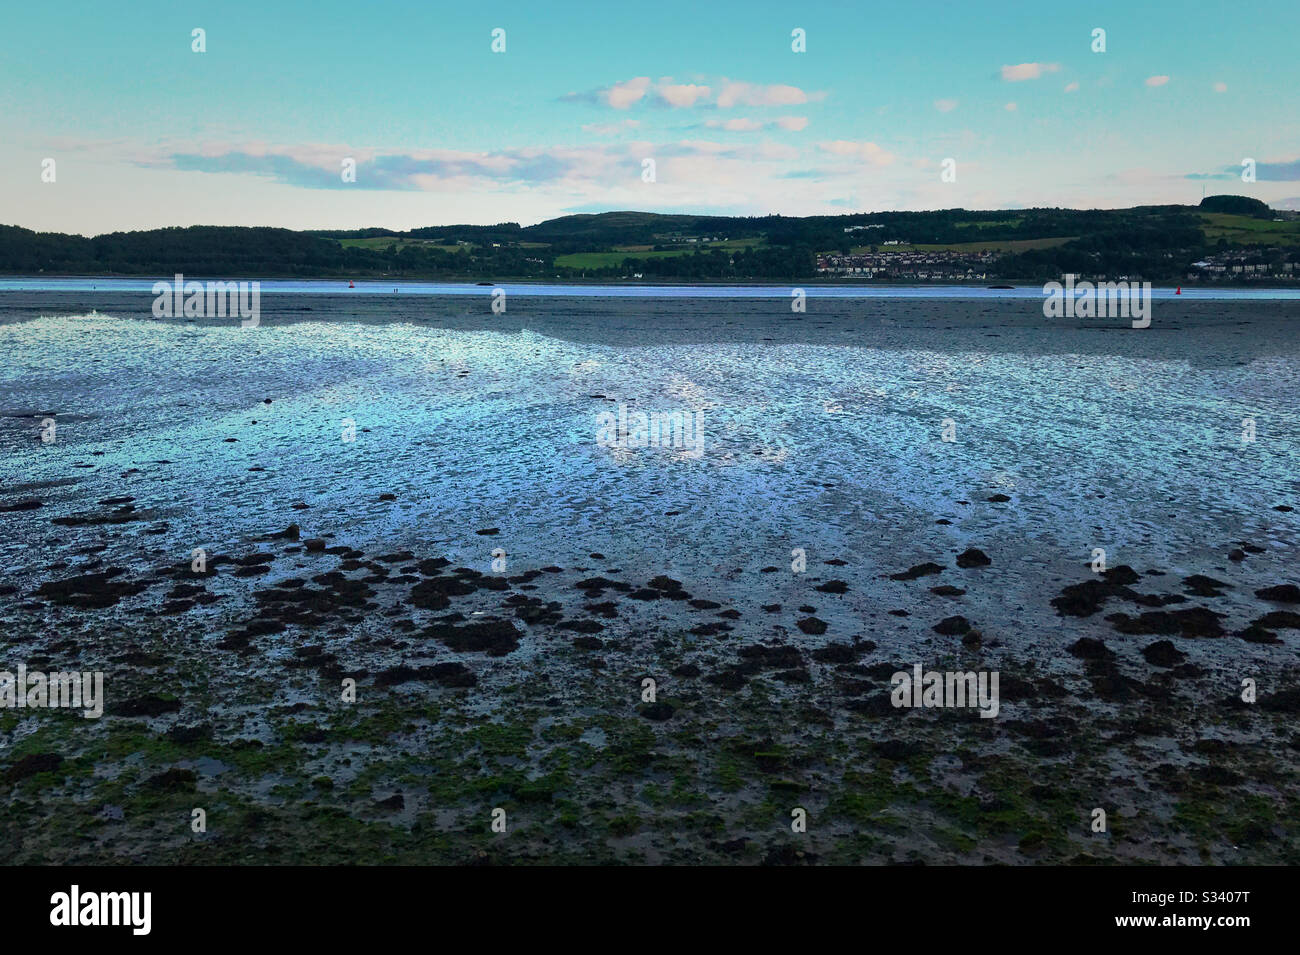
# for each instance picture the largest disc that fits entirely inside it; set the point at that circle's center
(111, 121)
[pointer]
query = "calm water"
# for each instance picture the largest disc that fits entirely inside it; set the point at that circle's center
(340, 287)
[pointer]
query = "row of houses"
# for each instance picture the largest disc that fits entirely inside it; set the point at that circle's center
(1246, 266)
(910, 266)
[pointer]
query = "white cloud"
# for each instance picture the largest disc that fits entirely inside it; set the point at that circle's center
(1220, 87)
(725, 95)
(680, 95)
(1072, 87)
(1028, 71)
(945, 105)
(623, 95)
(865, 151)
(1010, 107)
(793, 123)
(1157, 80)
(755, 94)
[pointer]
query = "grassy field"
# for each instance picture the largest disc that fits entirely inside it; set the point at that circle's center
(992, 223)
(1249, 231)
(383, 241)
(604, 260)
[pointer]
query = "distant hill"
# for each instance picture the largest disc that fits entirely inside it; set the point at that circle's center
(1151, 242)
(1236, 205)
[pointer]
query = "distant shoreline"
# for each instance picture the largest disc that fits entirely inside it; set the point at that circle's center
(1017, 284)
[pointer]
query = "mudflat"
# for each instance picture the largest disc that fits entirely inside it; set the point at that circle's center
(361, 576)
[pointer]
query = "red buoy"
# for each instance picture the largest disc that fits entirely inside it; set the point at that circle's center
(1179, 290)
(351, 284)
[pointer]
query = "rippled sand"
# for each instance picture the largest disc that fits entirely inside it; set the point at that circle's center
(1102, 437)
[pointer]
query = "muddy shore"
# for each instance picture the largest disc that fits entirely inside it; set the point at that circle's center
(518, 682)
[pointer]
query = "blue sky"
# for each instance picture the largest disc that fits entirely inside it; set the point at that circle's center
(144, 132)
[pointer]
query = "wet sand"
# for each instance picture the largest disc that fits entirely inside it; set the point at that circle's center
(521, 687)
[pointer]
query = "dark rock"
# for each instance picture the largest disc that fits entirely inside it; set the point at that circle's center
(32, 764)
(1192, 622)
(495, 638)
(732, 679)
(190, 734)
(1089, 648)
(1163, 653)
(90, 591)
(973, 557)
(1282, 593)
(772, 658)
(894, 750)
(148, 705)
(1286, 619)
(1257, 634)
(1201, 586)
(1086, 598)
(172, 781)
(920, 570)
(837, 653)
(433, 594)
(656, 711)
(1287, 701)
(1121, 575)
(30, 504)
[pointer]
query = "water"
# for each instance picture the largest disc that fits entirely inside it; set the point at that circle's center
(340, 287)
